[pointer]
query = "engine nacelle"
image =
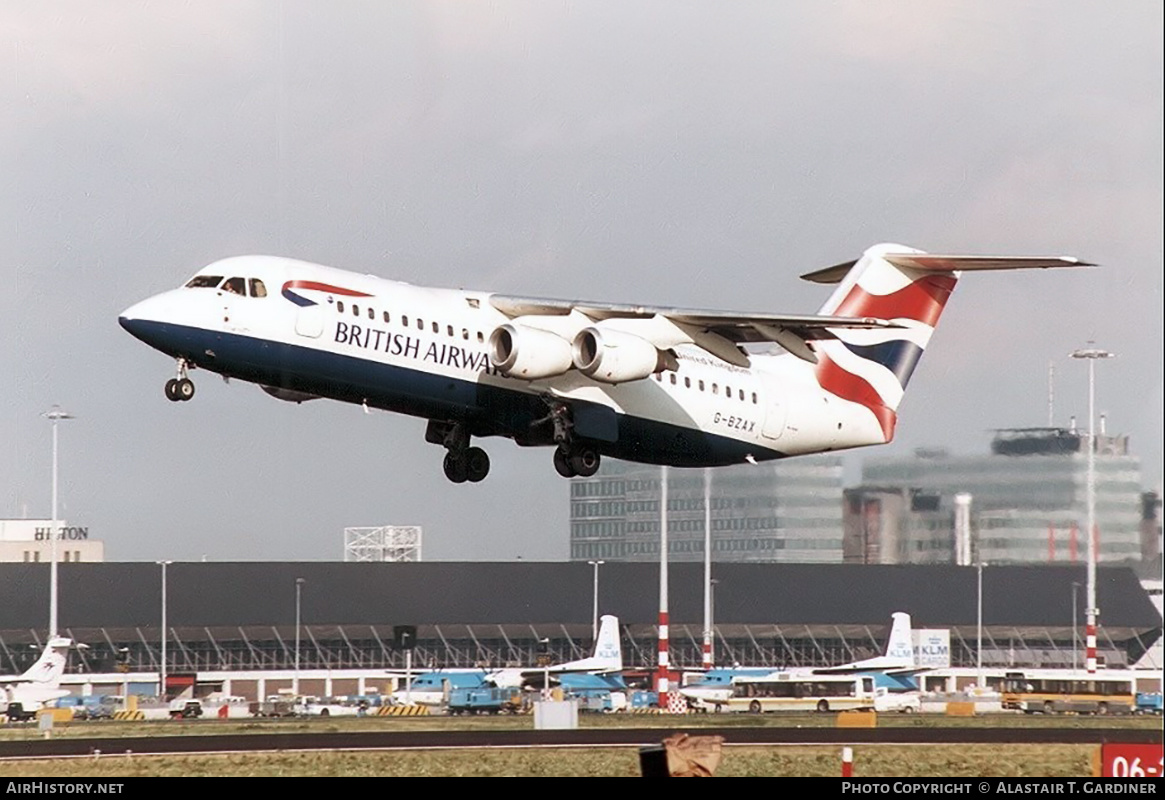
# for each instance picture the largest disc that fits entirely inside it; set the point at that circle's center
(616, 357)
(519, 351)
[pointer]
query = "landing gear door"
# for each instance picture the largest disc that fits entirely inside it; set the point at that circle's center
(309, 321)
(776, 407)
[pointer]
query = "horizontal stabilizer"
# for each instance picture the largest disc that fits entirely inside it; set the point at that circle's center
(932, 262)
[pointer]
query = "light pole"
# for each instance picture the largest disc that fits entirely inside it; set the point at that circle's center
(979, 643)
(165, 635)
(298, 592)
(595, 602)
(55, 415)
(1075, 632)
(1091, 612)
(707, 659)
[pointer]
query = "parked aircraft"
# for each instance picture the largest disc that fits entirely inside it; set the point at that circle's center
(41, 682)
(897, 661)
(607, 660)
(657, 385)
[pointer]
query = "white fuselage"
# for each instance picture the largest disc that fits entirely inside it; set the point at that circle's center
(320, 331)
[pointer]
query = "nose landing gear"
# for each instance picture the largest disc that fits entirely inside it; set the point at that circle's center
(180, 388)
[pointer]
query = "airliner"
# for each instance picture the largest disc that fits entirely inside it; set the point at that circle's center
(658, 385)
(607, 660)
(40, 683)
(896, 663)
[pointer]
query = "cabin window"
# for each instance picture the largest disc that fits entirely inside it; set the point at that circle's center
(404, 320)
(355, 310)
(741, 393)
(715, 388)
(420, 324)
(465, 334)
(673, 379)
(687, 383)
(340, 306)
(436, 328)
(754, 398)
(371, 314)
(449, 330)
(480, 338)
(701, 386)
(386, 318)
(235, 286)
(257, 288)
(204, 282)
(728, 392)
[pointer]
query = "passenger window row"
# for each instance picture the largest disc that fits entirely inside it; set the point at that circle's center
(404, 321)
(728, 393)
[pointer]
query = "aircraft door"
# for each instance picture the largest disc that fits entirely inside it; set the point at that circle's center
(309, 321)
(775, 405)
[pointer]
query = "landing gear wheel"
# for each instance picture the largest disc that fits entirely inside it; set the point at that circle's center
(455, 468)
(476, 464)
(822, 707)
(562, 463)
(172, 390)
(183, 389)
(585, 462)
(754, 707)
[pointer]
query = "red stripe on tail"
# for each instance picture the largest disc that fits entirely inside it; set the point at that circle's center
(923, 300)
(848, 386)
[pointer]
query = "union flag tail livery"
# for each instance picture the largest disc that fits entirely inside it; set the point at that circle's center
(684, 387)
(873, 367)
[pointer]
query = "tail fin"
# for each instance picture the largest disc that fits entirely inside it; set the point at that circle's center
(872, 367)
(49, 668)
(900, 645)
(608, 648)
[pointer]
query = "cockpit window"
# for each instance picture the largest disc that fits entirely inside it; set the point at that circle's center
(204, 282)
(257, 288)
(235, 286)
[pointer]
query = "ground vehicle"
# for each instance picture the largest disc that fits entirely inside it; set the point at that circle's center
(16, 712)
(185, 709)
(782, 691)
(326, 707)
(887, 701)
(1054, 691)
(1148, 703)
(485, 700)
(273, 707)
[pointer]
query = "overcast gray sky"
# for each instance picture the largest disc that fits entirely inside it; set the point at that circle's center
(696, 154)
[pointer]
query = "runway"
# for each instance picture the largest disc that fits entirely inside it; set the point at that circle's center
(619, 737)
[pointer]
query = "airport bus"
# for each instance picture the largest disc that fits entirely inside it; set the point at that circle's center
(1055, 691)
(805, 692)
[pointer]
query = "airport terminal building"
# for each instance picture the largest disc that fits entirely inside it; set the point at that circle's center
(241, 616)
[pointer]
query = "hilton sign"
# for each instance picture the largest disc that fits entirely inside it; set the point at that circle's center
(72, 533)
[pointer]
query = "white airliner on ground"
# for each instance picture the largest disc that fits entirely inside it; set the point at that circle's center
(675, 386)
(41, 682)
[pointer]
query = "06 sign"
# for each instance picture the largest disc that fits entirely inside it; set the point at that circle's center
(1132, 760)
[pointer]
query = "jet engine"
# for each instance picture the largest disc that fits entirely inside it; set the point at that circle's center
(613, 356)
(519, 351)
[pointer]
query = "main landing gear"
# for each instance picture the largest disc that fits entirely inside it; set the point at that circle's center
(570, 458)
(462, 462)
(582, 462)
(180, 388)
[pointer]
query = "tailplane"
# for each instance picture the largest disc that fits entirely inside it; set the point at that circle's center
(872, 367)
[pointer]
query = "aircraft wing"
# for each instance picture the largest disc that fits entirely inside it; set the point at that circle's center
(718, 332)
